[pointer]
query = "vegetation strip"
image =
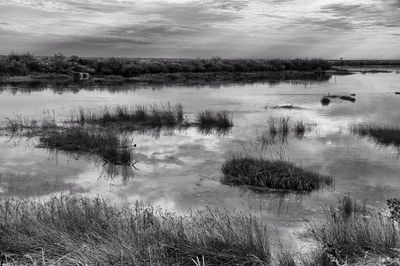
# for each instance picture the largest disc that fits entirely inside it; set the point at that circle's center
(79, 230)
(383, 135)
(241, 169)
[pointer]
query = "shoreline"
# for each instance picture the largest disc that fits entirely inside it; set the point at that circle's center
(178, 78)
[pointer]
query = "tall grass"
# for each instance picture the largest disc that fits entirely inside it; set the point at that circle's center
(381, 134)
(279, 126)
(155, 116)
(349, 231)
(103, 143)
(72, 230)
(209, 118)
(242, 169)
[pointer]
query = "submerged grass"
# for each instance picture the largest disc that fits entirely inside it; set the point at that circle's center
(72, 230)
(105, 144)
(350, 231)
(220, 119)
(381, 134)
(242, 169)
(155, 116)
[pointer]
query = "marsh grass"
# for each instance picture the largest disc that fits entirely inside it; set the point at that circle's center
(23, 125)
(349, 231)
(278, 126)
(299, 128)
(383, 135)
(243, 169)
(325, 101)
(210, 118)
(153, 116)
(106, 144)
(281, 127)
(73, 230)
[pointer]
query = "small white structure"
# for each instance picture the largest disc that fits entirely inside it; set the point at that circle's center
(80, 75)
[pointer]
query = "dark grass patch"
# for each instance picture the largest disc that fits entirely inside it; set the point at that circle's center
(350, 231)
(286, 106)
(271, 174)
(325, 101)
(154, 116)
(342, 97)
(209, 118)
(383, 135)
(81, 231)
(105, 144)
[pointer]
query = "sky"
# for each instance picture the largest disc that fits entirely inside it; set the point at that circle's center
(331, 29)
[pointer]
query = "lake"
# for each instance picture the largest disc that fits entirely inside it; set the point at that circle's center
(180, 169)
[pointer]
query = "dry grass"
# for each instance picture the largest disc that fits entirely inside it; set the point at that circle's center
(349, 231)
(242, 169)
(73, 230)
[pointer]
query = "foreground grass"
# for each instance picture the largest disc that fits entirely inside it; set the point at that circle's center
(350, 232)
(271, 174)
(381, 134)
(82, 231)
(105, 144)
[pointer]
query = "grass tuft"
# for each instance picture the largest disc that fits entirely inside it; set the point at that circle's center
(81, 231)
(381, 134)
(242, 169)
(220, 119)
(153, 116)
(105, 144)
(349, 231)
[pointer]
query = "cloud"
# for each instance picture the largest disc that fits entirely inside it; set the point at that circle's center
(192, 28)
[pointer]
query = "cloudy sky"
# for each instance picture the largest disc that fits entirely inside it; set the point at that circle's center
(203, 28)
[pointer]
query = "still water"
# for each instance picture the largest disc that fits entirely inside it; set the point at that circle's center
(180, 169)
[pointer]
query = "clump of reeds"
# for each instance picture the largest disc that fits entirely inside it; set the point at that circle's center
(299, 128)
(82, 231)
(279, 126)
(349, 231)
(243, 169)
(105, 144)
(210, 118)
(325, 101)
(381, 134)
(154, 116)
